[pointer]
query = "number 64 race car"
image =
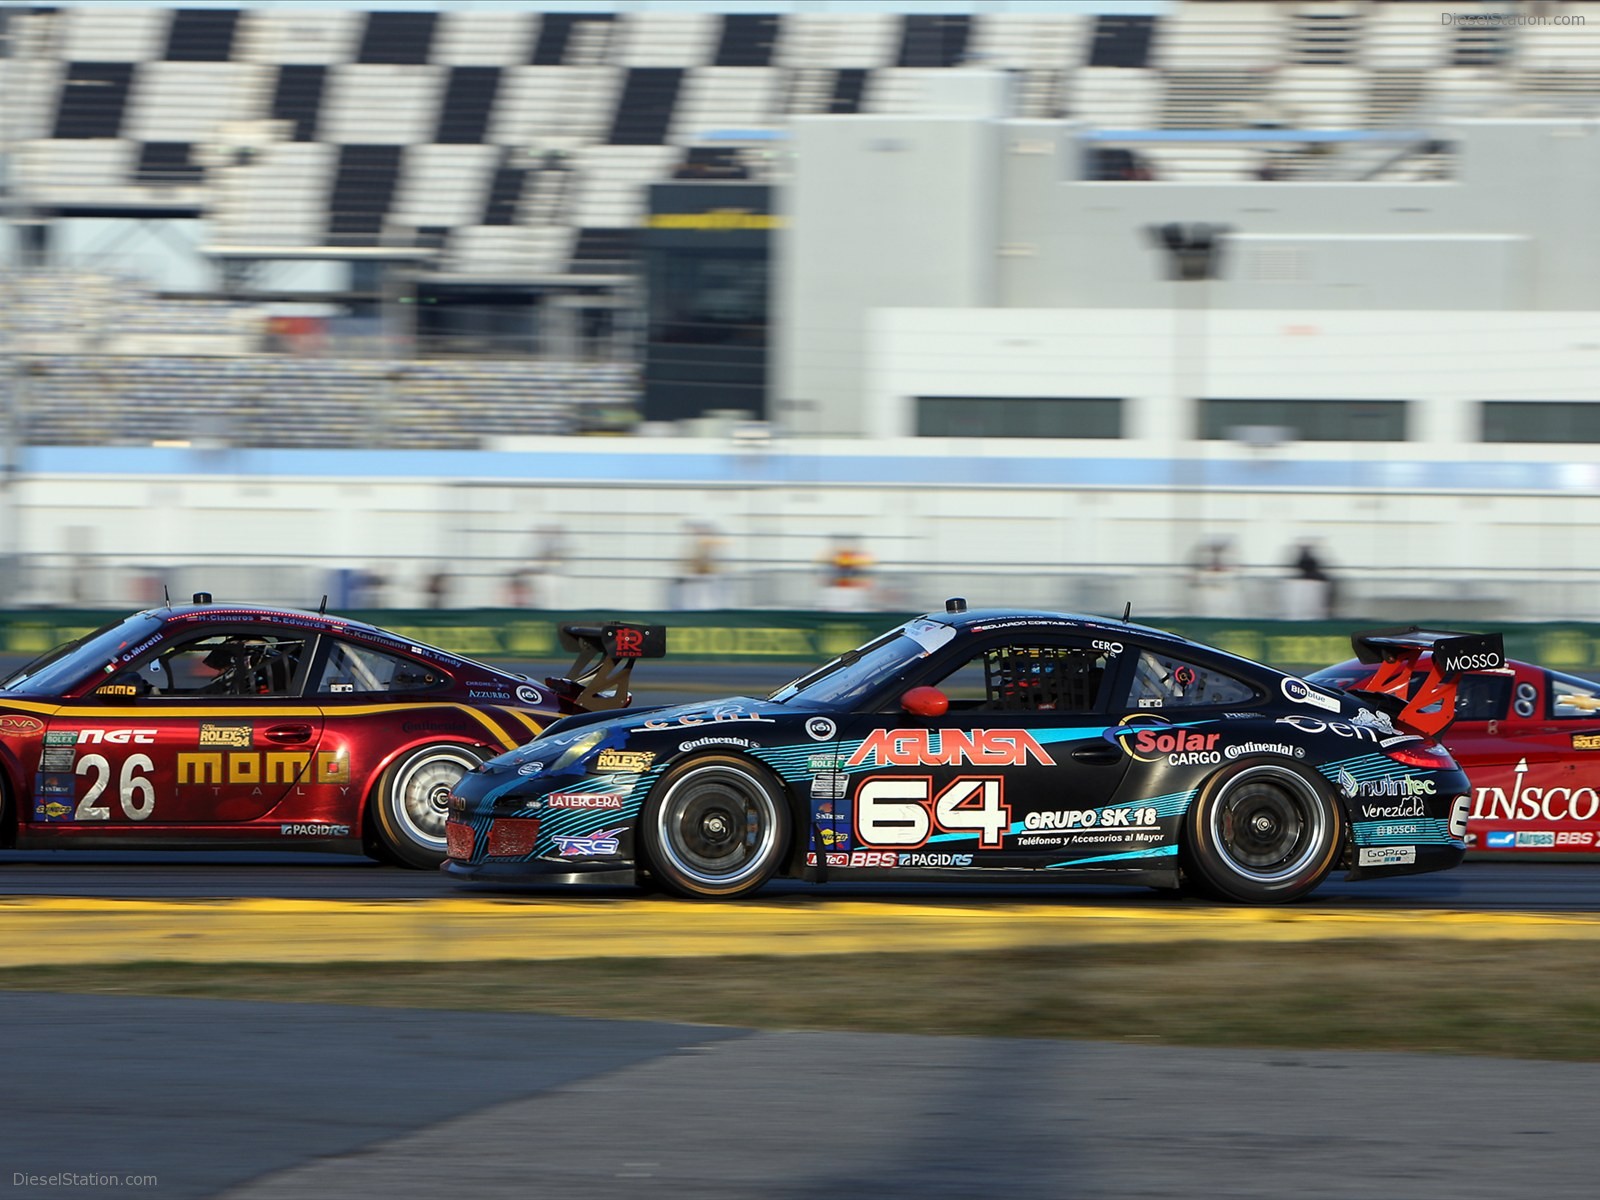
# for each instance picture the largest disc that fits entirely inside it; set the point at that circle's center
(987, 746)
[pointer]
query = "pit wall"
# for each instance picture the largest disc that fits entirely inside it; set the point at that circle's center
(591, 522)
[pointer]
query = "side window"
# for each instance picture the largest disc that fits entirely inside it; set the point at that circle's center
(1573, 699)
(351, 668)
(1028, 678)
(1483, 697)
(1160, 681)
(226, 665)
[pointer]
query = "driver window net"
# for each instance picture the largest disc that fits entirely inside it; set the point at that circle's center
(1042, 678)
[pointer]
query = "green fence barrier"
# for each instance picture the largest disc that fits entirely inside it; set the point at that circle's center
(501, 635)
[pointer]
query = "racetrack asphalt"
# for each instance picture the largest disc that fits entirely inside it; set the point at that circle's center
(258, 1101)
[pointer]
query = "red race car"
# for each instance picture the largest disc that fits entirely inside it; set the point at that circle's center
(1529, 740)
(212, 726)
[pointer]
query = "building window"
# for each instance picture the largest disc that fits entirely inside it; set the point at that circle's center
(1541, 421)
(1306, 420)
(1019, 416)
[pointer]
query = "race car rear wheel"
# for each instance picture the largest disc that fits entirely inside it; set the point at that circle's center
(1263, 833)
(412, 803)
(715, 826)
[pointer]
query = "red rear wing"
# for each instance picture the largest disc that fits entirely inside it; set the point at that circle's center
(1454, 655)
(604, 660)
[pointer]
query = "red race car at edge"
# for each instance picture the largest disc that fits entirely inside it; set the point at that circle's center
(1529, 740)
(232, 726)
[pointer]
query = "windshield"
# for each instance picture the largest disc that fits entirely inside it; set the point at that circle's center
(54, 672)
(844, 681)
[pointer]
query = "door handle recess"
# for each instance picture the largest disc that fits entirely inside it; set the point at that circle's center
(1099, 756)
(288, 735)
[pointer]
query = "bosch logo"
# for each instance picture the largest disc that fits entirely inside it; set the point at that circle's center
(820, 729)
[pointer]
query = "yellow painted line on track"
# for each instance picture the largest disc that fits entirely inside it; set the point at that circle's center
(39, 931)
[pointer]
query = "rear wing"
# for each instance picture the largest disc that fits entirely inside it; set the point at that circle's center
(601, 670)
(1454, 655)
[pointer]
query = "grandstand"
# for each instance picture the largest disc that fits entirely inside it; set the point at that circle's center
(516, 148)
(520, 142)
(1012, 366)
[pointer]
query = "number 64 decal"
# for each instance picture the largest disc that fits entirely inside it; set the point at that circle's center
(137, 793)
(894, 810)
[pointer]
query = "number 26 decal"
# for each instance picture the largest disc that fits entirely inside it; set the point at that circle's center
(894, 811)
(137, 793)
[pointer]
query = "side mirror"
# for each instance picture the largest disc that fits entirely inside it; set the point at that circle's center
(925, 702)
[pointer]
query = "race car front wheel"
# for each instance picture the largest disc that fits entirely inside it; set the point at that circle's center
(412, 803)
(1262, 833)
(715, 826)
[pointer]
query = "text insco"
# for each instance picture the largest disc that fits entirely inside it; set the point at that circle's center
(1535, 803)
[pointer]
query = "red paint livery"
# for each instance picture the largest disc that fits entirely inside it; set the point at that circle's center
(1529, 740)
(206, 726)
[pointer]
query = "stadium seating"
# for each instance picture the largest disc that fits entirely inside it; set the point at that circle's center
(519, 145)
(279, 401)
(393, 122)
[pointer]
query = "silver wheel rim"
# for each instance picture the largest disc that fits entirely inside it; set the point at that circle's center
(422, 795)
(718, 826)
(1268, 825)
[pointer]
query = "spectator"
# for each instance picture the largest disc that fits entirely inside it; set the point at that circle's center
(846, 584)
(437, 586)
(369, 588)
(535, 583)
(1214, 587)
(1309, 593)
(698, 584)
(518, 592)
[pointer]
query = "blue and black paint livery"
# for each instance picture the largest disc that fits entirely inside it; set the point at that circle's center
(984, 746)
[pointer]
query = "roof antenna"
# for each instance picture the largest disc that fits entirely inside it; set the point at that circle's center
(1126, 609)
(322, 609)
(166, 595)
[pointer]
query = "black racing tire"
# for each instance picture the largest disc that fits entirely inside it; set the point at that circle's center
(715, 827)
(1262, 832)
(411, 804)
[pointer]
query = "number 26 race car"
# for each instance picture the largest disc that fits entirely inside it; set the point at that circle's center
(988, 746)
(216, 726)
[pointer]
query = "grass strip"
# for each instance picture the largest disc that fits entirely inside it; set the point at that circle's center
(1501, 998)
